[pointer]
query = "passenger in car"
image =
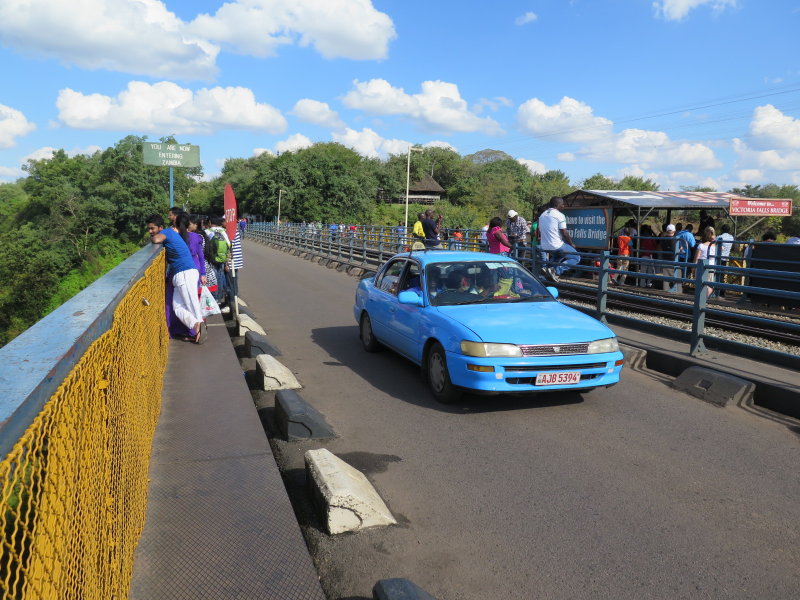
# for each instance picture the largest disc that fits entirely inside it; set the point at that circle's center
(434, 282)
(486, 284)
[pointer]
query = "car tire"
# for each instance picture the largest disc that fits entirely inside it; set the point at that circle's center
(367, 336)
(439, 377)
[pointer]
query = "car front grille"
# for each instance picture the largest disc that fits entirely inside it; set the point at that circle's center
(554, 349)
(537, 368)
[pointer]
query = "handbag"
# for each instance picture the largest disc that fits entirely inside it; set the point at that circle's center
(208, 305)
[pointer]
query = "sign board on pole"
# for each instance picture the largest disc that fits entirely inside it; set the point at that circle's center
(171, 155)
(589, 227)
(761, 207)
(231, 222)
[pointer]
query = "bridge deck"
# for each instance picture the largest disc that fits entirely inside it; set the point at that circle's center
(219, 522)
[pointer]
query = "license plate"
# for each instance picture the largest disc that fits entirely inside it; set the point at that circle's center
(558, 378)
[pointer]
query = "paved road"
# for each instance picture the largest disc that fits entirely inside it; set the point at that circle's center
(634, 492)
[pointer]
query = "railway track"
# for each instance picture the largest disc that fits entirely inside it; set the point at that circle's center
(732, 316)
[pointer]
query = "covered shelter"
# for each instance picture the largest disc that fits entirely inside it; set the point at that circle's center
(425, 191)
(591, 213)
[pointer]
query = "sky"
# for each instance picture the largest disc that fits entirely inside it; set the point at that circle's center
(683, 92)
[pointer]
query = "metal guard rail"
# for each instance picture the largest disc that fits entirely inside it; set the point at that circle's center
(82, 398)
(370, 247)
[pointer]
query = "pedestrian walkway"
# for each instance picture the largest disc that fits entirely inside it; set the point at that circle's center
(777, 388)
(219, 521)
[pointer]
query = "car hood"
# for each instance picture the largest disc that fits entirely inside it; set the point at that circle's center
(528, 323)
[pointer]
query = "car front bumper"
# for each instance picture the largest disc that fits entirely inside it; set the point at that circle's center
(509, 375)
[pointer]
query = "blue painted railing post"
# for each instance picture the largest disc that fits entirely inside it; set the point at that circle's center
(699, 310)
(602, 286)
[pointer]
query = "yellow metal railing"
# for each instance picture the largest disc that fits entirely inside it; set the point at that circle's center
(73, 490)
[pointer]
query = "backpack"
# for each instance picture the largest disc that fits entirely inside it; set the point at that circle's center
(216, 249)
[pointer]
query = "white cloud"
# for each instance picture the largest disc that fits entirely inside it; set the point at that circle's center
(676, 10)
(565, 156)
(528, 17)
(260, 151)
(369, 143)
(439, 106)
(492, 104)
(771, 160)
(318, 113)
(46, 153)
(13, 124)
(439, 144)
(165, 107)
(294, 142)
(532, 165)
(145, 38)
(568, 121)
(751, 174)
(651, 149)
(11, 172)
(335, 28)
(770, 128)
(141, 37)
(366, 142)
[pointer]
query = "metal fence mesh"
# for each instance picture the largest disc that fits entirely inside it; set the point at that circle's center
(73, 490)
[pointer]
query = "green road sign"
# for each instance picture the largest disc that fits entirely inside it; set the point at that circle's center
(171, 155)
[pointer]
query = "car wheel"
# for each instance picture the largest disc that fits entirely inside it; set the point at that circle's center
(439, 377)
(367, 337)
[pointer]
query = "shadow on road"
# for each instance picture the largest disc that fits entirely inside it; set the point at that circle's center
(400, 378)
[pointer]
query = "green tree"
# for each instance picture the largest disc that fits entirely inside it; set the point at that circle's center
(630, 182)
(547, 185)
(598, 181)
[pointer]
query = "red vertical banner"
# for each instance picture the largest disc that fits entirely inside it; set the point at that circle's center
(231, 222)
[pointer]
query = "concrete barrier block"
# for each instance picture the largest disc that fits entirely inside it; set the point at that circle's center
(332, 264)
(714, 386)
(635, 358)
(297, 419)
(241, 302)
(255, 344)
(348, 501)
(355, 271)
(399, 589)
(247, 323)
(273, 375)
(324, 261)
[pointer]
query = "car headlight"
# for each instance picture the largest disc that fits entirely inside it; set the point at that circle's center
(483, 349)
(603, 346)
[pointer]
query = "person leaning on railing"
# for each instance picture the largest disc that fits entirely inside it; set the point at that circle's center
(184, 274)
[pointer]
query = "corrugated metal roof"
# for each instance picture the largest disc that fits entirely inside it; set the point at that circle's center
(656, 199)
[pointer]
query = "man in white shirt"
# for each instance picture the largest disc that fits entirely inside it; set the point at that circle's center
(555, 239)
(724, 244)
(483, 239)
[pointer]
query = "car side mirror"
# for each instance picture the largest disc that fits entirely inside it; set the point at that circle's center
(553, 291)
(409, 297)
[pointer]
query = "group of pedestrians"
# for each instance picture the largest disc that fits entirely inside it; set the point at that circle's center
(199, 254)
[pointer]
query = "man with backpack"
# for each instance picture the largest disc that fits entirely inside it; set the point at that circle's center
(216, 251)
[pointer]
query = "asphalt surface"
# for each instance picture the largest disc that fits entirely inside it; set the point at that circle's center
(633, 492)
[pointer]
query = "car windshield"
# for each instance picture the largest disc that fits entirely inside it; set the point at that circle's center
(481, 282)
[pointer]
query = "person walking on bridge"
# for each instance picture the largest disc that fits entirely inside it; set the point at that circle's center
(184, 275)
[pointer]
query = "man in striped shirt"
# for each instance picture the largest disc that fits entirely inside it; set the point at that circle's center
(235, 263)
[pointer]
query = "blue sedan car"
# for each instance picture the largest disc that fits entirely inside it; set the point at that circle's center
(481, 322)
